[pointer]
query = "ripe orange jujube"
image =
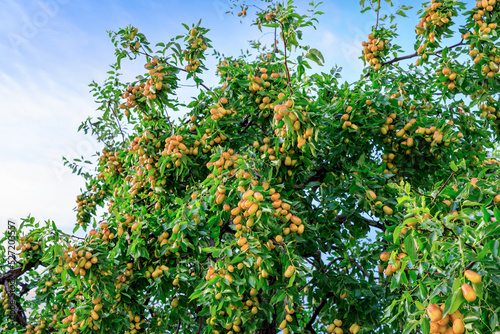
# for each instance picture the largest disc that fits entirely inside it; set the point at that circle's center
(387, 210)
(458, 326)
(385, 256)
(473, 276)
(434, 312)
(289, 271)
(371, 195)
(469, 293)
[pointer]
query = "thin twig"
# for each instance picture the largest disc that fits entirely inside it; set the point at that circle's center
(200, 325)
(257, 173)
(117, 121)
(359, 267)
(416, 54)
(370, 222)
(454, 235)
(444, 184)
(275, 40)
(178, 326)
(332, 262)
(323, 270)
(184, 70)
(151, 205)
(286, 62)
(415, 190)
(245, 121)
(168, 119)
(70, 236)
(470, 265)
(440, 189)
(311, 263)
(395, 60)
(317, 311)
(378, 12)
(25, 288)
(424, 271)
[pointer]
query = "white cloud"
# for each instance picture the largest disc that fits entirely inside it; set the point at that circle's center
(34, 189)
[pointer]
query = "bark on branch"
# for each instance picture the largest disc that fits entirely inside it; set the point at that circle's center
(16, 272)
(318, 309)
(395, 60)
(6, 280)
(15, 306)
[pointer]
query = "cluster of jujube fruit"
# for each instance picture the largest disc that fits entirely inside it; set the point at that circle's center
(450, 76)
(197, 45)
(374, 50)
(432, 25)
(452, 323)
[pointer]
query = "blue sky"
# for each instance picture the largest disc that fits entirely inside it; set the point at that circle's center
(50, 50)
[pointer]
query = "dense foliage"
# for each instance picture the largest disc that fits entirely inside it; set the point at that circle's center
(284, 199)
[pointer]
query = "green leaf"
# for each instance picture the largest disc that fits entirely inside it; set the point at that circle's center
(496, 213)
(292, 279)
(410, 326)
(64, 276)
(395, 234)
(493, 320)
(278, 297)
(426, 326)
(478, 288)
(401, 13)
(410, 246)
(423, 290)
(453, 166)
(316, 56)
(419, 305)
(456, 285)
(453, 302)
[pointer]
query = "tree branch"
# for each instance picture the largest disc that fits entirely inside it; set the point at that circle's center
(416, 54)
(378, 13)
(395, 60)
(415, 190)
(444, 184)
(359, 267)
(470, 265)
(15, 306)
(425, 271)
(247, 122)
(117, 121)
(200, 325)
(178, 326)
(12, 274)
(275, 40)
(454, 235)
(24, 289)
(333, 261)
